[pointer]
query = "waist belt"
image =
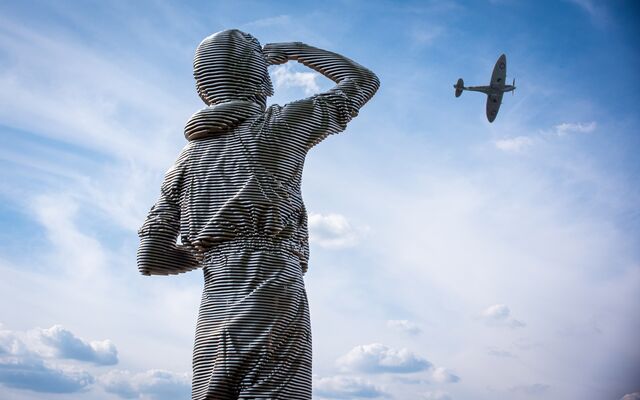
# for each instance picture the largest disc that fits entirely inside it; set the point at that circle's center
(256, 244)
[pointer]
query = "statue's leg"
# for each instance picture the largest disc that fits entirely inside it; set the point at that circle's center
(281, 365)
(253, 339)
(211, 335)
(284, 372)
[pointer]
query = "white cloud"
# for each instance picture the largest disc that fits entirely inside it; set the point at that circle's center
(33, 374)
(285, 77)
(497, 312)
(346, 387)
(11, 344)
(57, 343)
(21, 367)
(67, 345)
(152, 385)
(333, 231)
(92, 101)
(436, 395)
(424, 36)
(532, 389)
(431, 233)
(443, 375)
(519, 144)
(269, 22)
(120, 383)
(405, 326)
(127, 206)
(26, 364)
(598, 12)
(514, 145)
(631, 396)
(567, 128)
(80, 254)
(500, 315)
(378, 358)
(495, 352)
(113, 115)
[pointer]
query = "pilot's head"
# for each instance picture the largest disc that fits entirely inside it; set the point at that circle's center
(230, 65)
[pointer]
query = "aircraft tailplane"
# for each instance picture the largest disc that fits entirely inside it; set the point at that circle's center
(459, 87)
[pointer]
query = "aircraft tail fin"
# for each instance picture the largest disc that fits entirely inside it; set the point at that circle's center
(513, 92)
(459, 86)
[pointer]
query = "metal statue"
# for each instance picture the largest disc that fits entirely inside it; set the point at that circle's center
(233, 199)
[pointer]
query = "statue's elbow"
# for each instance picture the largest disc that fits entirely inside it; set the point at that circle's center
(144, 268)
(369, 84)
(373, 82)
(145, 262)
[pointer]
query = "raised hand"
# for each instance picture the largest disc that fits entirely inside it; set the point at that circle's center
(275, 53)
(280, 53)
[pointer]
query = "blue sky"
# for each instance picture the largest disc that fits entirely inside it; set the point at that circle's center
(451, 258)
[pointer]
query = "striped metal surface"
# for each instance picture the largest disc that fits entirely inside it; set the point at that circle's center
(233, 197)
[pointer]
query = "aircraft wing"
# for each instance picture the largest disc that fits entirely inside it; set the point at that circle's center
(499, 71)
(493, 105)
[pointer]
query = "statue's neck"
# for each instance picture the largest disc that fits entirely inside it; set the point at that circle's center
(219, 118)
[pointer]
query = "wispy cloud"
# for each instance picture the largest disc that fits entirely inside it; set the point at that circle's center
(631, 396)
(532, 389)
(450, 232)
(519, 144)
(94, 105)
(346, 387)
(515, 144)
(285, 77)
(83, 255)
(500, 315)
(567, 128)
(153, 384)
(268, 22)
(443, 375)
(426, 36)
(92, 101)
(596, 10)
(495, 352)
(333, 231)
(405, 326)
(436, 395)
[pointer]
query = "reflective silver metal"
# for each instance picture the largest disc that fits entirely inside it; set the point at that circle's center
(233, 197)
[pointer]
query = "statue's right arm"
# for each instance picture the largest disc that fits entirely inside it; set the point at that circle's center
(334, 66)
(328, 112)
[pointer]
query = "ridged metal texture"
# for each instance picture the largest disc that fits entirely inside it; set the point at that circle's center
(233, 197)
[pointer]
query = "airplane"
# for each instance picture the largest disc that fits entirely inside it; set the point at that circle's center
(494, 91)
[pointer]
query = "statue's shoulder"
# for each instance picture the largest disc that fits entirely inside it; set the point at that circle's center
(273, 111)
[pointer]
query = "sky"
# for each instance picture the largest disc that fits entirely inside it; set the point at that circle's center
(451, 258)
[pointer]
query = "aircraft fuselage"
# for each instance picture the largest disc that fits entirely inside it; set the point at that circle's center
(494, 91)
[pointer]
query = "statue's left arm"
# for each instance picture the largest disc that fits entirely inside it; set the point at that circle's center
(159, 253)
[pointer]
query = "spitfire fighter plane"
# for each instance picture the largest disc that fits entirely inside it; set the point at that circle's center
(494, 91)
